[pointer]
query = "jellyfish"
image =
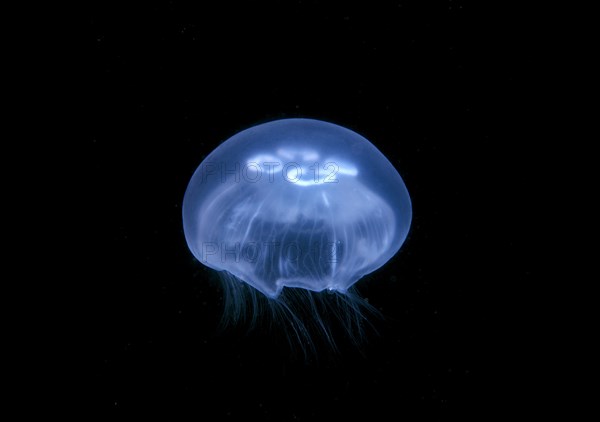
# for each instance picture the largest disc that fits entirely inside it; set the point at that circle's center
(291, 214)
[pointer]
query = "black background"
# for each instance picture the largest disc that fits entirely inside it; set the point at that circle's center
(432, 84)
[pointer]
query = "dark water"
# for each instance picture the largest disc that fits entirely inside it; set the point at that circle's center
(432, 87)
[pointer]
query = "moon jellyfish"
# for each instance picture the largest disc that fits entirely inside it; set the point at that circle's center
(291, 214)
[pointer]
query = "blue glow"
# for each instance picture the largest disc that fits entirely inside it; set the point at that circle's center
(296, 203)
